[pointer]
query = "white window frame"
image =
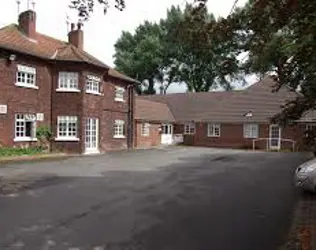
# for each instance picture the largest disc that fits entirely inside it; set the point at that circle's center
(93, 85)
(20, 127)
(119, 129)
(251, 130)
(26, 77)
(71, 82)
(145, 129)
(189, 128)
(67, 134)
(212, 128)
(119, 94)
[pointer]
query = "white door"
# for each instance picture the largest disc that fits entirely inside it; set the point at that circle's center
(275, 137)
(92, 136)
(167, 134)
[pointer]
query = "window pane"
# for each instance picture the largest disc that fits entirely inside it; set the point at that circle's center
(28, 129)
(68, 80)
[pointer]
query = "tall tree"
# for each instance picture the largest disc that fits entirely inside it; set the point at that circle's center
(139, 55)
(181, 52)
(279, 37)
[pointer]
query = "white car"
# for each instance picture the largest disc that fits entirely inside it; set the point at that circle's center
(305, 176)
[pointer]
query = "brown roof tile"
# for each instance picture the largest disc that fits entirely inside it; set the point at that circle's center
(152, 111)
(44, 46)
(114, 73)
(230, 107)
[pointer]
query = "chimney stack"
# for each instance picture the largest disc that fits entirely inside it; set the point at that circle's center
(27, 23)
(75, 36)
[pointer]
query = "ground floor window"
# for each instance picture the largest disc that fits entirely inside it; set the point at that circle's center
(189, 128)
(119, 129)
(251, 130)
(67, 127)
(25, 127)
(213, 130)
(145, 129)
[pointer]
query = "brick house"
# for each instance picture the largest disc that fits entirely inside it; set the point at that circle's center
(44, 81)
(235, 119)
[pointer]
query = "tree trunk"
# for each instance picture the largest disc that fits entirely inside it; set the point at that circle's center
(151, 87)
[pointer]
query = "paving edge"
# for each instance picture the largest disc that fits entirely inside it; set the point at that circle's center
(31, 158)
(302, 235)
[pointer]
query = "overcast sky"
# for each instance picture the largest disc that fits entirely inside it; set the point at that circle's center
(102, 31)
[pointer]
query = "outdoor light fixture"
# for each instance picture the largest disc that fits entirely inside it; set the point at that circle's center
(12, 57)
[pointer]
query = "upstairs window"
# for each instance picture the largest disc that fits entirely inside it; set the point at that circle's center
(93, 84)
(68, 82)
(213, 130)
(119, 129)
(26, 77)
(119, 94)
(25, 127)
(251, 130)
(189, 128)
(145, 129)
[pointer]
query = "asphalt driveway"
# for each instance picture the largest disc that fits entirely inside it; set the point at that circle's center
(178, 198)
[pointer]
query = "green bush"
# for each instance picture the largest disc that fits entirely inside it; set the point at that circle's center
(44, 133)
(20, 151)
(44, 136)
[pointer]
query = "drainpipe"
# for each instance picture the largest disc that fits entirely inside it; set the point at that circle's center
(130, 136)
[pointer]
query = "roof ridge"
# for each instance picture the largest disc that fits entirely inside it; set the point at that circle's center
(8, 26)
(52, 38)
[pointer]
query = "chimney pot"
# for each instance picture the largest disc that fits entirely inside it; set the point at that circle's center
(27, 23)
(79, 25)
(75, 37)
(72, 26)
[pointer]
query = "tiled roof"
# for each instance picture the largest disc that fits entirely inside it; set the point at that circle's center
(43, 46)
(259, 101)
(116, 74)
(152, 111)
(187, 106)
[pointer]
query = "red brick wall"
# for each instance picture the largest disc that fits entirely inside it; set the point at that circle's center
(20, 99)
(53, 104)
(113, 110)
(232, 136)
(67, 104)
(154, 138)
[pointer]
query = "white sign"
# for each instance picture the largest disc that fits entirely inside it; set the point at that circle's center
(26, 69)
(94, 78)
(30, 118)
(3, 109)
(40, 117)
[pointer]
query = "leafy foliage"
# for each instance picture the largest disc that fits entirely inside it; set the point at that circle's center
(279, 37)
(178, 50)
(44, 135)
(86, 7)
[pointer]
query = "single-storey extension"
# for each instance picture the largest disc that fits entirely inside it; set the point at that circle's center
(235, 119)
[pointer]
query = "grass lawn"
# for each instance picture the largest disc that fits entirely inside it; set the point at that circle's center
(4, 152)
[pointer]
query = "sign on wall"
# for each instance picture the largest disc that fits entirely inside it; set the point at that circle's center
(40, 117)
(3, 109)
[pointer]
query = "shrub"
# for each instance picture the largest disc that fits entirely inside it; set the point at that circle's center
(44, 135)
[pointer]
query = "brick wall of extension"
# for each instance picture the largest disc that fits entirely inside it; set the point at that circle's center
(151, 140)
(232, 136)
